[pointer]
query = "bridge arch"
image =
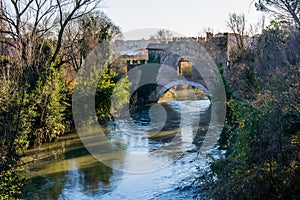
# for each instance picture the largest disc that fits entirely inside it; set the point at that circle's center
(182, 82)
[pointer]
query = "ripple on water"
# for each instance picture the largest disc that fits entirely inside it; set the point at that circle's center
(75, 174)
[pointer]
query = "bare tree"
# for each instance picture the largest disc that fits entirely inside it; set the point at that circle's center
(237, 25)
(257, 27)
(35, 32)
(31, 24)
(163, 36)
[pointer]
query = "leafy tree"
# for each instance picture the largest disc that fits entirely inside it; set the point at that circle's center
(262, 124)
(89, 31)
(111, 93)
(49, 103)
(12, 139)
(34, 102)
(262, 156)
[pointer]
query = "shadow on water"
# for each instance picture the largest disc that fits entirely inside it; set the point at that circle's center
(86, 182)
(66, 170)
(142, 118)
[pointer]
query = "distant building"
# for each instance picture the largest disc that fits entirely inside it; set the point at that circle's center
(125, 45)
(218, 46)
(155, 52)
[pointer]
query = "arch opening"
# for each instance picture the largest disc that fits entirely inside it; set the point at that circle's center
(183, 90)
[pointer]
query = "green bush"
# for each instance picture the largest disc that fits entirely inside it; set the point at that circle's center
(27, 117)
(263, 157)
(48, 103)
(10, 184)
(13, 138)
(261, 132)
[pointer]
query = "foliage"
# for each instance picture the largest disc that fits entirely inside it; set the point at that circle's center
(229, 119)
(27, 117)
(10, 184)
(35, 104)
(14, 124)
(48, 102)
(261, 132)
(263, 157)
(111, 95)
(95, 27)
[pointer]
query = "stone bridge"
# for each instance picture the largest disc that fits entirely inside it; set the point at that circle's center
(170, 68)
(181, 82)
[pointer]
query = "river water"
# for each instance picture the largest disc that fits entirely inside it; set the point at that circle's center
(66, 170)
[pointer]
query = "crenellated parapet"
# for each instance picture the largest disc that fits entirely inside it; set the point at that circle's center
(218, 47)
(131, 63)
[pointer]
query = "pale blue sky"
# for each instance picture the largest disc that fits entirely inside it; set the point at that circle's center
(188, 17)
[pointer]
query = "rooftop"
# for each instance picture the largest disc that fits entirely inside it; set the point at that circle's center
(157, 46)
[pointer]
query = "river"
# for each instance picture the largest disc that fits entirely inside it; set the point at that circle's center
(66, 170)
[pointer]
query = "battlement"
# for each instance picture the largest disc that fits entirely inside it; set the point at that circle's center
(135, 62)
(217, 45)
(187, 39)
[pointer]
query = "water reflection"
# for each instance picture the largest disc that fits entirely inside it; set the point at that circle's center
(86, 183)
(66, 170)
(72, 173)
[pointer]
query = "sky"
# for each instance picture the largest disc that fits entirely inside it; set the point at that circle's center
(187, 17)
